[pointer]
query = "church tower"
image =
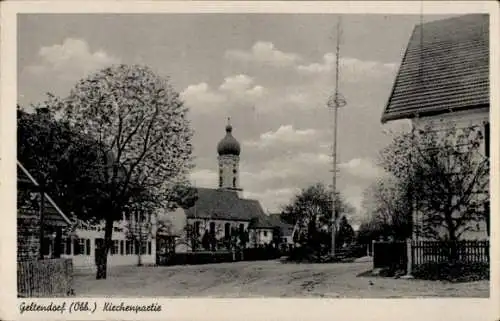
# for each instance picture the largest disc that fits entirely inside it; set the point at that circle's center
(229, 161)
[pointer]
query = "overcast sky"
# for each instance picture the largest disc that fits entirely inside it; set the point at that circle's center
(272, 74)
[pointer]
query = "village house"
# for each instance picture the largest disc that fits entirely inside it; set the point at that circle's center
(444, 79)
(29, 220)
(66, 237)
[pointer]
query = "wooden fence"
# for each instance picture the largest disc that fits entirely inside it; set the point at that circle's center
(45, 278)
(442, 251)
(395, 255)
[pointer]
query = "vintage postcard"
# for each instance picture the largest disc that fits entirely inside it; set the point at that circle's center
(266, 160)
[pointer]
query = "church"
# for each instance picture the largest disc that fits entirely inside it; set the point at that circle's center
(221, 217)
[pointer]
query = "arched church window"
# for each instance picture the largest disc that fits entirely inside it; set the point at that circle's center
(234, 181)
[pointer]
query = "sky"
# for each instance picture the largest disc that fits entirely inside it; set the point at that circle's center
(271, 73)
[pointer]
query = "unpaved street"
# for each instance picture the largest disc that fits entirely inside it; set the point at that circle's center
(265, 279)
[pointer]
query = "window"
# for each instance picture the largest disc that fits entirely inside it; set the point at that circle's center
(227, 230)
(81, 245)
(87, 247)
(136, 247)
(144, 247)
(149, 247)
(197, 228)
(68, 246)
(122, 247)
(76, 247)
(115, 249)
(128, 247)
(265, 233)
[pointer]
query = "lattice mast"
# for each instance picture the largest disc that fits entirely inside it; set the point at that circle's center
(334, 103)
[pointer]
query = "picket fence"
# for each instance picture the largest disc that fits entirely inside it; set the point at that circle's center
(394, 253)
(442, 251)
(45, 278)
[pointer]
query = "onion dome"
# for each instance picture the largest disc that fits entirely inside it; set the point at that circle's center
(228, 145)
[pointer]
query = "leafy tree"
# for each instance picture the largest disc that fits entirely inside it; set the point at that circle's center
(311, 212)
(448, 175)
(63, 160)
(345, 234)
(139, 122)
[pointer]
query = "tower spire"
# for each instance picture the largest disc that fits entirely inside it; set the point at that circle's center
(229, 128)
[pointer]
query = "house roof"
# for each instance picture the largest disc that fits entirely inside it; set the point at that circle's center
(221, 204)
(271, 221)
(445, 67)
(54, 216)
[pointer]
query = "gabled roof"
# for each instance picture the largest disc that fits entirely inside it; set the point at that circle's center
(53, 214)
(445, 67)
(271, 221)
(219, 204)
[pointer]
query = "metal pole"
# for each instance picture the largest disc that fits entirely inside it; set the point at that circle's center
(335, 102)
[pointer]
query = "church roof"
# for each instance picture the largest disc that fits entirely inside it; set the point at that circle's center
(445, 67)
(219, 204)
(54, 216)
(229, 145)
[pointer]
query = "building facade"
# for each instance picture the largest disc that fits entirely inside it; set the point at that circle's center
(443, 81)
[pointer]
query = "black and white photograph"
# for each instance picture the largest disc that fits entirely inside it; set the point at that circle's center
(319, 155)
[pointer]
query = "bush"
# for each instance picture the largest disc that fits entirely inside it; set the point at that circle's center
(355, 251)
(258, 254)
(453, 271)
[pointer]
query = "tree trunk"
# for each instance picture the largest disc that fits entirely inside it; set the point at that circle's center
(139, 257)
(102, 253)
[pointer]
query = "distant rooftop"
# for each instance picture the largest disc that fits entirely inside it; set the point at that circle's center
(445, 68)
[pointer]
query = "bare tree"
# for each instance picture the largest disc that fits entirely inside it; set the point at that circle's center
(388, 206)
(448, 175)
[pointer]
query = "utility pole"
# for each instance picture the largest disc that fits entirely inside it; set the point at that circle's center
(334, 103)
